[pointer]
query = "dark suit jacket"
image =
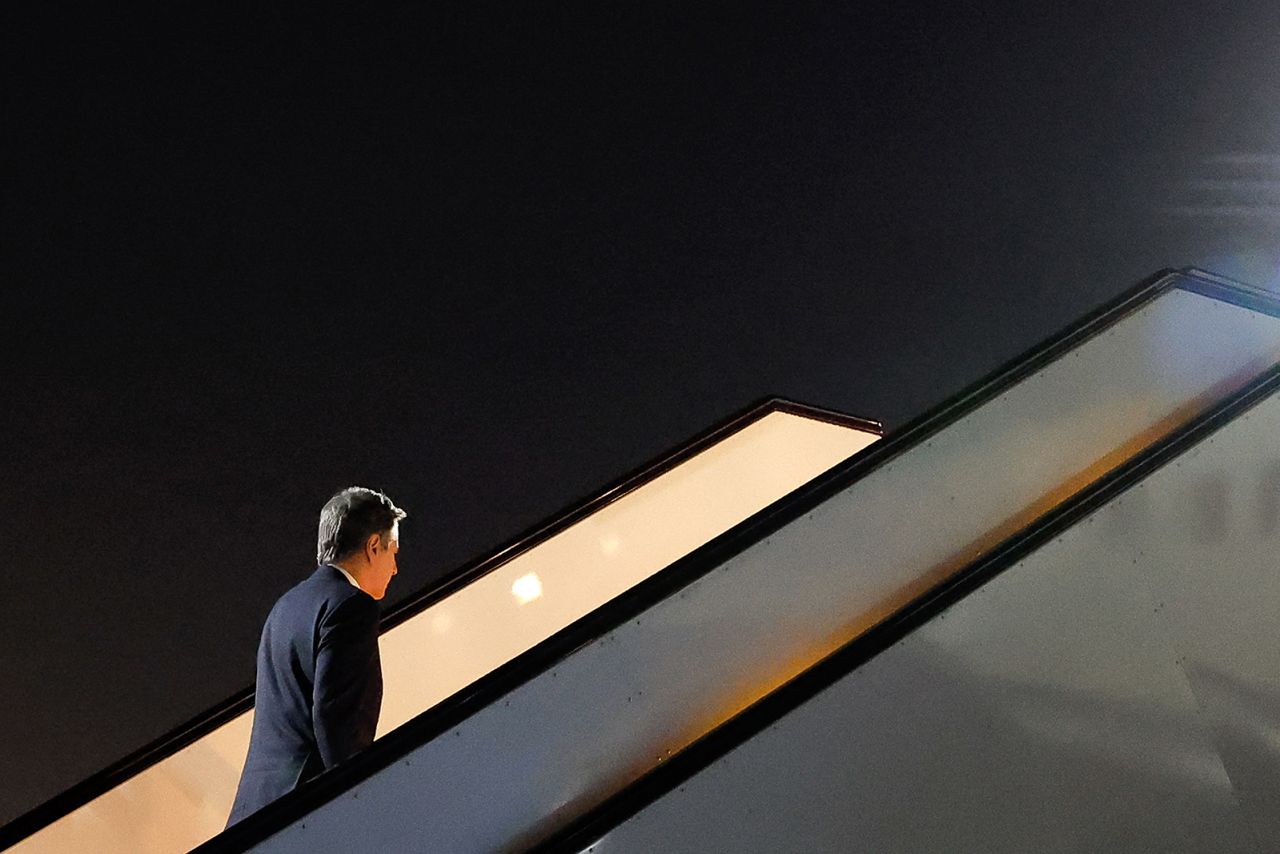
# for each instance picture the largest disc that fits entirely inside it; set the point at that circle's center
(319, 687)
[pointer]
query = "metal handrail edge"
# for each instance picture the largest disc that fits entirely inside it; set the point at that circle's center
(678, 769)
(545, 655)
(195, 728)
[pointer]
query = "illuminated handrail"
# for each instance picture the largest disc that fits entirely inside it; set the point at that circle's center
(541, 659)
(461, 579)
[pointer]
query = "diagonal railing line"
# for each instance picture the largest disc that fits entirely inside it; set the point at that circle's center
(597, 822)
(241, 702)
(680, 574)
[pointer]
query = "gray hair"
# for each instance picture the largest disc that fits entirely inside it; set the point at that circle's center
(349, 518)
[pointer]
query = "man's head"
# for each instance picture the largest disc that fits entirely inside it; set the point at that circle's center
(360, 530)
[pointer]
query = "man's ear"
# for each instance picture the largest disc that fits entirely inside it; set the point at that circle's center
(371, 545)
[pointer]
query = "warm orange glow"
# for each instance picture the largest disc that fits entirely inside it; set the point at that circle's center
(772, 675)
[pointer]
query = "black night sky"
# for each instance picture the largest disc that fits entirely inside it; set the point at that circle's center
(490, 259)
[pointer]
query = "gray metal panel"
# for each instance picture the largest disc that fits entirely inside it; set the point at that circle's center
(1118, 689)
(562, 742)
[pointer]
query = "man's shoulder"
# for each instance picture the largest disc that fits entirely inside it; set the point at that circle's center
(326, 589)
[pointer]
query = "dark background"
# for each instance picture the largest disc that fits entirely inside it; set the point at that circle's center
(490, 259)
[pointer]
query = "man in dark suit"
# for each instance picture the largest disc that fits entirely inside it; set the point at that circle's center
(319, 686)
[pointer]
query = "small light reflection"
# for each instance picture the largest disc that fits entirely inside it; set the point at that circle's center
(527, 588)
(610, 544)
(441, 623)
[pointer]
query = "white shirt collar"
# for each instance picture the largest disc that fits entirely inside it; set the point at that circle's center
(348, 575)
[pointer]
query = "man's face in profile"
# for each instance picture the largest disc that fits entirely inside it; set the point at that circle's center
(383, 564)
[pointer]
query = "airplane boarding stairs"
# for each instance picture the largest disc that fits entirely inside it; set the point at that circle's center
(176, 793)
(1107, 679)
(541, 749)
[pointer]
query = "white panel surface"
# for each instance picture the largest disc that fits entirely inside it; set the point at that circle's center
(185, 799)
(560, 743)
(1117, 690)
(499, 616)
